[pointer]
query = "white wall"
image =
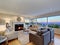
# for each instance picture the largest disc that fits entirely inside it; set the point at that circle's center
(2, 28)
(9, 19)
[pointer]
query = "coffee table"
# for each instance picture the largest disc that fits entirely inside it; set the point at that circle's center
(23, 37)
(3, 40)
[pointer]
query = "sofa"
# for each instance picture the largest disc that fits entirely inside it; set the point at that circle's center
(33, 27)
(44, 37)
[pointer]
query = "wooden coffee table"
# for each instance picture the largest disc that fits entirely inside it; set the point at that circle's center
(3, 40)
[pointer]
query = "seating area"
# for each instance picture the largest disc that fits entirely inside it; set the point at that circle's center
(38, 37)
(29, 22)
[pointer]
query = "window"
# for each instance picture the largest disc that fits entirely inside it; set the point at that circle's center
(33, 21)
(54, 22)
(42, 21)
(27, 20)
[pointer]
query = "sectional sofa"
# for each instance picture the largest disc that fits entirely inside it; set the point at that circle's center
(42, 37)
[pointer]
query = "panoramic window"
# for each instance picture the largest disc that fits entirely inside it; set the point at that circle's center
(54, 22)
(33, 21)
(42, 21)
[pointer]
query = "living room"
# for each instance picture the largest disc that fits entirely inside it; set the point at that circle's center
(29, 22)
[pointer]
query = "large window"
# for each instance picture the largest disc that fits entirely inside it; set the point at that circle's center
(42, 21)
(27, 22)
(54, 22)
(34, 20)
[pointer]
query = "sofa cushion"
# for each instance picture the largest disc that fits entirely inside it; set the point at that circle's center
(41, 32)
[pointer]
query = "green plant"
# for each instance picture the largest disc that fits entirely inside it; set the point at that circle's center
(54, 25)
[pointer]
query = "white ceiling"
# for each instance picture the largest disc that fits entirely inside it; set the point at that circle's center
(29, 8)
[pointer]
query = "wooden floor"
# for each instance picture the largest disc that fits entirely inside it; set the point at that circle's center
(57, 39)
(16, 42)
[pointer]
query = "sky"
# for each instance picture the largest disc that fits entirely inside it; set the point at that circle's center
(50, 19)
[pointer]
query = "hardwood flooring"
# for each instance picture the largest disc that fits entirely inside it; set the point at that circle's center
(16, 42)
(57, 39)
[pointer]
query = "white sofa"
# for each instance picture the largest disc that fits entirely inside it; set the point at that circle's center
(11, 34)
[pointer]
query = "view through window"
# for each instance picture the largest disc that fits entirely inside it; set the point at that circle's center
(42, 21)
(53, 21)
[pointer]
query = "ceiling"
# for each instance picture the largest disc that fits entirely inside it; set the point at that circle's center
(30, 8)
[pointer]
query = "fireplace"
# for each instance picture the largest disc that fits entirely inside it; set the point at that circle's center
(19, 27)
